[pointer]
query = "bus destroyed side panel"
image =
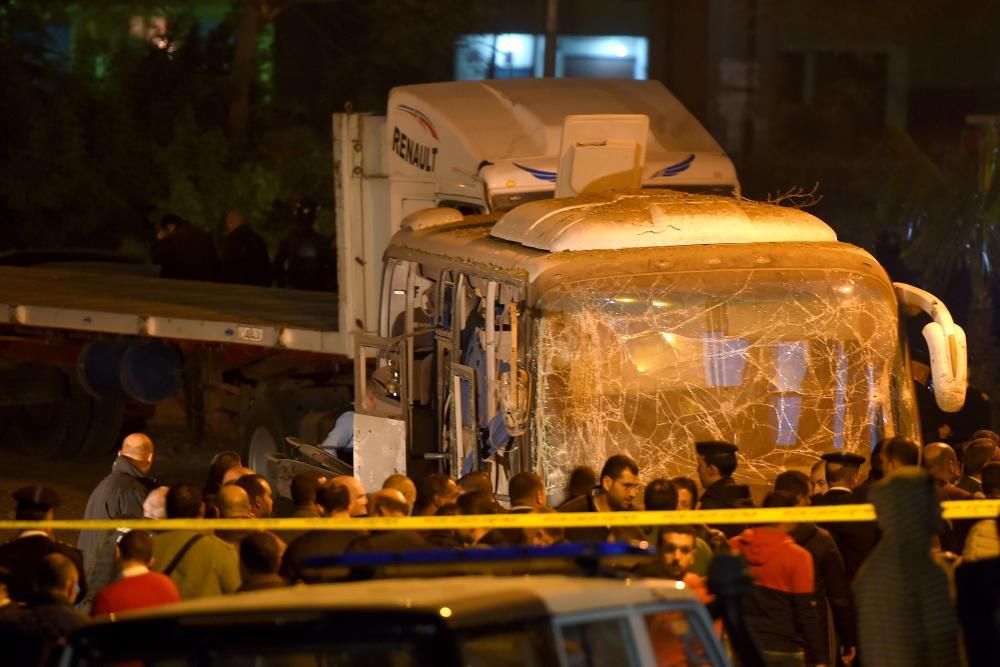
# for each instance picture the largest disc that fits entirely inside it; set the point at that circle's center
(379, 449)
(380, 420)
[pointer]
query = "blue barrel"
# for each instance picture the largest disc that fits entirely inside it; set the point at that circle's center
(146, 371)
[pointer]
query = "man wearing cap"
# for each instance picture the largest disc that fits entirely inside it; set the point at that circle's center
(716, 464)
(120, 495)
(23, 555)
(854, 539)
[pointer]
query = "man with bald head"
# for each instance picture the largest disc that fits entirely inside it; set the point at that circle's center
(120, 495)
(42, 628)
(405, 486)
(388, 503)
(155, 504)
(359, 500)
(233, 502)
(941, 463)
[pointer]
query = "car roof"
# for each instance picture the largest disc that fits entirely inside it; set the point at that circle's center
(466, 600)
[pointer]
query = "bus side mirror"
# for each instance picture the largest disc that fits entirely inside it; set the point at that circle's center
(946, 345)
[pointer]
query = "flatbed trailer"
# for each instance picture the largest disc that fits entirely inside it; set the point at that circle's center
(79, 346)
(73, 300)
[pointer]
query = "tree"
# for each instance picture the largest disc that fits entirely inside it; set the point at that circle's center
(254, 16)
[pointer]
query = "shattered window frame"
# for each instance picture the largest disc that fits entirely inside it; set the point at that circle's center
(848, 320)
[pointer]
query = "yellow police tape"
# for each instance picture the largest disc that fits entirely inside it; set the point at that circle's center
(966, 509)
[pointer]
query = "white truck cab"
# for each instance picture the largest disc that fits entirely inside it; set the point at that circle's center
(486, 146)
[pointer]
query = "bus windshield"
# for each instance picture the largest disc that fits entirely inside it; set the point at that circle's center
(784, 363)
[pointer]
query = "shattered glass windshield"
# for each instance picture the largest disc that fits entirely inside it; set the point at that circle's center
(785, 363)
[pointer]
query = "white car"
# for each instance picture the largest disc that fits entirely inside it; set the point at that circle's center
(473, 621)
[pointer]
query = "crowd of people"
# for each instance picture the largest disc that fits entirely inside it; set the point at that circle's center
(820, 593)
(305, 259)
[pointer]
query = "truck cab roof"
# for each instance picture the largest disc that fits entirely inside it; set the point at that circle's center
(507, 133)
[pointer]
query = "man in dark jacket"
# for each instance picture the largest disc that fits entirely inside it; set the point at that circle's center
(875, 471)
(183, 251)
(716, 464)
(781, 607)
(23, 555)
(49, 619)
(855, 539)
(618, 485)
(833, 590)
(388, 503)
(976, 454)
(527, 493)
(118, 496)
(260, 557)
(336, 501)
(244, 258)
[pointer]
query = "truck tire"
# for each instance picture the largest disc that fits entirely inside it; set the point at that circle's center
(51, 430)
(262, 435)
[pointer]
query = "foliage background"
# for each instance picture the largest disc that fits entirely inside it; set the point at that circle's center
(98, 142)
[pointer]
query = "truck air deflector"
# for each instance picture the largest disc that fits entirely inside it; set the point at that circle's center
(654, 219)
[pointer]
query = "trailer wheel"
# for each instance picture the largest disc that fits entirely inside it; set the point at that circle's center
(263, 436)
(49, 430)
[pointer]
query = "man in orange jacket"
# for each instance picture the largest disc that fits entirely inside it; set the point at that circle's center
(781, 609)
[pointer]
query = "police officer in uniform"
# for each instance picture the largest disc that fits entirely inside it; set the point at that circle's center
(305, 258)
(716, 464)
(854, 539)
(23, 554)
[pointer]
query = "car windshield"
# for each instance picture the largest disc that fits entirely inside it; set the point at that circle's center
(785, 363)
